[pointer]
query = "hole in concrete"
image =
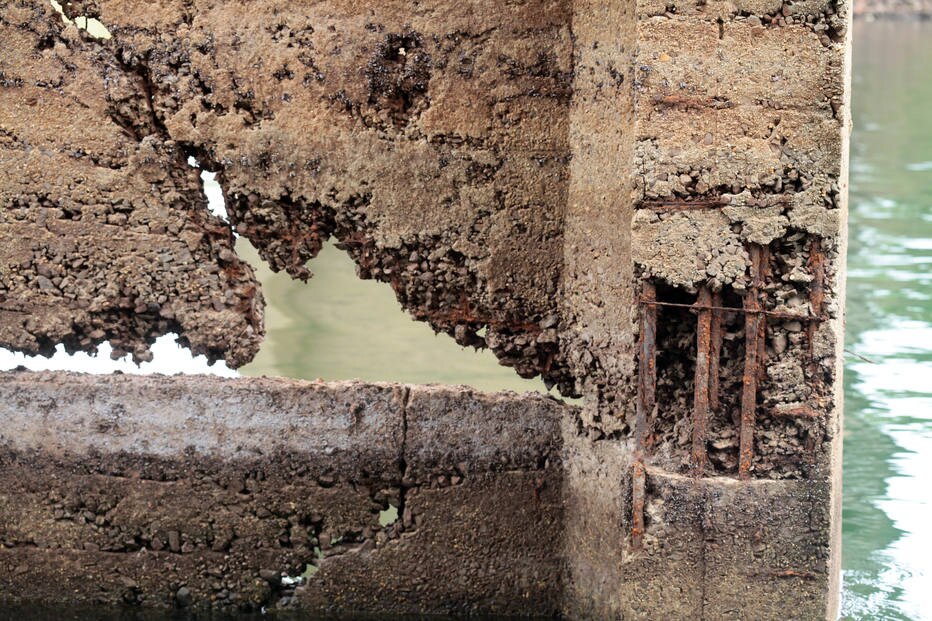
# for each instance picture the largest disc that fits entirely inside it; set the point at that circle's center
(94, 27)
(676, 360)
(168, 358)
(389, 516)
(212, 191)
(337, 326)
(312, 567)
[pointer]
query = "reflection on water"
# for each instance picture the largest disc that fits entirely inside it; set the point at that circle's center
(888, 439)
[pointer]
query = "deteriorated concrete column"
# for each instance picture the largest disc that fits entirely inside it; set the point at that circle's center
(706, 214)
(599, 305)
(743, 121)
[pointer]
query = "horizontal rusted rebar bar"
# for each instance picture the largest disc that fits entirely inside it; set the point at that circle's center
(735, 309)
(684, 205)
(701, 384)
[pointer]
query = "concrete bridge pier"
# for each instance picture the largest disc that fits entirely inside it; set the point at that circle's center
(642, 202)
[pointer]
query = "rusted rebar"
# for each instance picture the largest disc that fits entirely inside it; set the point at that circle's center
(715, 353)
(762, 311)
(647, 362)
(701, 384)
(752, 362)
(816, 291)
(638, 500)
(647, 387)
(683, 205)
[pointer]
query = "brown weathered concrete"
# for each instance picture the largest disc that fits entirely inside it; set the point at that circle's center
(521, 174)
(432, 144)
(126, 490)
(105, 231)
(235, 484)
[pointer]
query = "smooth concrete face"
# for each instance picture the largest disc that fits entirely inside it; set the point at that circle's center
(585, 187)
(240, 483)
(723, 549)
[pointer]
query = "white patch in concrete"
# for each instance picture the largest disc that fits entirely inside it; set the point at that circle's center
(169, 358)
(94, 27)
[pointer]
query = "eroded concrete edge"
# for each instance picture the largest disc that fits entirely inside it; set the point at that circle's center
(106, 232)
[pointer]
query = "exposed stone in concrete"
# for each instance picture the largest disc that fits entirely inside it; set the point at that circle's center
(432, 144)
(687, 249)
(243, 483)
(106, 235)
(435, 145)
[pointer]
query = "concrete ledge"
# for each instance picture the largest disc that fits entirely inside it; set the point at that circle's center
(195, 491)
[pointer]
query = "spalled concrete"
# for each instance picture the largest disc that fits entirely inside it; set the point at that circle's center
(106, 235)
(643, 202)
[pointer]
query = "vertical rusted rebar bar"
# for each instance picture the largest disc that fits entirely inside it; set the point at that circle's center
(816, 291)
(647, 362)
(752, 357)
(701, 384)
(716, 350)
(647, 387)
(638, 500)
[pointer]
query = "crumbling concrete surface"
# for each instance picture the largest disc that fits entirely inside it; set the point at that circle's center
(105, 231)
(478, 158)
(643, 202)
(432, 144)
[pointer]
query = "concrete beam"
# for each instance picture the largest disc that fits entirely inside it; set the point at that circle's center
(201, 492)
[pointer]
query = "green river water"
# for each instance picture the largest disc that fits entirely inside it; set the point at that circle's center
(338, 327)
(888, 410)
